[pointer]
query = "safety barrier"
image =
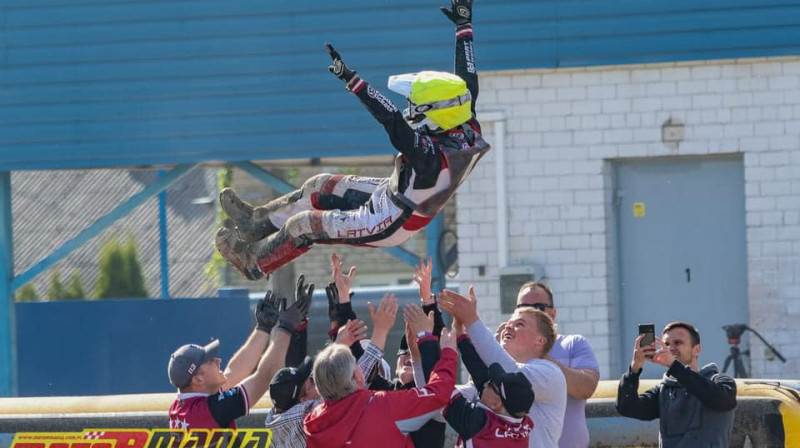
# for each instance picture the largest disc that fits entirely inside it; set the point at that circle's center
(767, 415)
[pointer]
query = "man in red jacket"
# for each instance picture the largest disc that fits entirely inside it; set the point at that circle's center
(353, 416)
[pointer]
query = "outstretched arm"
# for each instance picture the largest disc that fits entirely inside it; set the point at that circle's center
(273, 360)
(406, 140)
(244, 361)
(461, 15)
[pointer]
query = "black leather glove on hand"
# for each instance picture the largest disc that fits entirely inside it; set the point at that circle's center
(338, 68)
(291, 317)
(338, 312)
(267, 312)
(461, 12)
(333, 299)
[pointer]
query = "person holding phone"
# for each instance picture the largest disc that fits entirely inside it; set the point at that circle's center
(573, 354)
(695, 406)
(648, 333)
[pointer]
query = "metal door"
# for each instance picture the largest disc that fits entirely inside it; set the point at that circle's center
(681, 239)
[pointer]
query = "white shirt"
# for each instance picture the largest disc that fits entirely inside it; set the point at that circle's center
(547, 380)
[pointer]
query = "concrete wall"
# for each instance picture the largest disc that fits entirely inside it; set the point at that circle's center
(565, 128)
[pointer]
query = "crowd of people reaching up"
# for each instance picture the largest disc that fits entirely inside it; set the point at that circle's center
(527, 386)
(348, 395)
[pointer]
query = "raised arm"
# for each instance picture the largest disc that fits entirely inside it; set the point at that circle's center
(420, 330)
(274, 358)
(460, 13)
(403, 138)
(634, 405)
(244, 361)
(422, 276)
(298, 347)
(383, 319)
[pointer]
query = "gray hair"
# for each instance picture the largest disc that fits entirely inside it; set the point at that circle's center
(333, 372)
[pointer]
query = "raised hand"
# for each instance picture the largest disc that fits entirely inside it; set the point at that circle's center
(332, 292)
(267, 312)
(462, 308)
(417, 319)
(640, 354)
(458, 327)
(342, 281)
(383, 316)
(337, 67)
(422, 276)
(382, 319)
(411, 341)
(447, 339)
(292, 316)
(352, 331)
(460, 12)
(662, 355)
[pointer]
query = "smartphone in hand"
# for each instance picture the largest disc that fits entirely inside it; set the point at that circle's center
(649, 332)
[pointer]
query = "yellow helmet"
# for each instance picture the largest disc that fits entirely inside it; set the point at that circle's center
(442, 97)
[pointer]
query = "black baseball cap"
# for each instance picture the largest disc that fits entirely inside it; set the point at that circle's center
(185, 361)
(286, 385)
(515, 391)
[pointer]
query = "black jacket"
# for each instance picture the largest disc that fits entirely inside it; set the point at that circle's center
(695, 409)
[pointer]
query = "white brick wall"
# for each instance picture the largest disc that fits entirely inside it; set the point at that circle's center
(563, 127)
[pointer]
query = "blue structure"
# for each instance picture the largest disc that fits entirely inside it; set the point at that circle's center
(131, 342)
(119, 84)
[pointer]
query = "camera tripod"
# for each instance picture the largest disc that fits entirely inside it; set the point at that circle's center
(734, 333)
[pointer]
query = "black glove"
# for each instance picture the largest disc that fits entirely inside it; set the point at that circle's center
(333, 299)
(338, 312)
(338, 68)
(267, 312)
(291, 317)
(461, 12)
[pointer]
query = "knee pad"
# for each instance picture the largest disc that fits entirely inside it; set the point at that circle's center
(306, 226)
(316, 182)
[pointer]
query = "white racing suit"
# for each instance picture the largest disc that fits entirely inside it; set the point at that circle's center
(368, 211)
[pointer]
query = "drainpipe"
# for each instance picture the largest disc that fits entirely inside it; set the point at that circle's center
(498, 143)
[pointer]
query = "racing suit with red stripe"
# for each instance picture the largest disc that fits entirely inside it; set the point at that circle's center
(340, 209)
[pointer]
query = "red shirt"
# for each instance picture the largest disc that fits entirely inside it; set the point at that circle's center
(367, 417)
(501, 432)
(203, 411)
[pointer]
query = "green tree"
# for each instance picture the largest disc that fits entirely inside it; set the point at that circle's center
(120, 273)
(27, 294)
(75, 289)
(56, 290)
(214, 270)
(133, 269)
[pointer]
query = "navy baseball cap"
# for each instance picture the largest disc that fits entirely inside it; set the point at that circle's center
(286, 385)
(185, 361)
(514, 389)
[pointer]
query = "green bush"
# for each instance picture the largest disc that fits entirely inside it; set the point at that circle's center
(27, 294)
(120, 273)
(133, 269)
(75, 289)
(56, 290)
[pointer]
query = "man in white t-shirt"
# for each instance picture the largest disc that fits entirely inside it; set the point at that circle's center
(573, 354)
(524, 344)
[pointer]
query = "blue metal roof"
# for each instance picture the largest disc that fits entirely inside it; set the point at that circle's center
(91, 83)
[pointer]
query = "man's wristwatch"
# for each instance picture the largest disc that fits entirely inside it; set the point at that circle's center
(423, 334)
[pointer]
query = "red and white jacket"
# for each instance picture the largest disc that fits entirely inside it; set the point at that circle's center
(366, 418)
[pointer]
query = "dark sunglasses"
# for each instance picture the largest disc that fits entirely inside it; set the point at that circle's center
(539, 306)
